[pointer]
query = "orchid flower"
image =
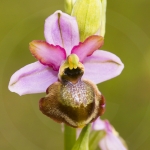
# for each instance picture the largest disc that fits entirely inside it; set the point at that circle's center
(111, 139)
(62, 61)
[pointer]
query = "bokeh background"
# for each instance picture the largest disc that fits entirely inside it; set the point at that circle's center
(23, 126)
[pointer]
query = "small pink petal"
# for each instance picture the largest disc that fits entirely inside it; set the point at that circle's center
(33, 78)
(62, 29)
(87, 48)
(102, 66)
(108, 126)
(48, 54)
(111, 142)
(98, 124)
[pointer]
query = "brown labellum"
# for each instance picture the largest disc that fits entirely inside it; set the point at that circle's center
(74, 104)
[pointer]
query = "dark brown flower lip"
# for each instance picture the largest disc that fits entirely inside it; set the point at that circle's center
(74, 104)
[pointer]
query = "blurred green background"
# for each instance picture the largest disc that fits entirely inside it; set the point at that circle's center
(23, 126)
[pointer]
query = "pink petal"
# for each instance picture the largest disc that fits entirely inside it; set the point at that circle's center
(86, 48)
(108, 126)
(111, 142)
(61, 29)
(33, 78)
(102, 66)
(98, 124)
(48, 54)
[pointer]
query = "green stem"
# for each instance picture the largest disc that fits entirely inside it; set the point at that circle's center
(69, 137)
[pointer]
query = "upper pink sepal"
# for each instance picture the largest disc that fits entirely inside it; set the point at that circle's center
(61, 29)
(87, 48)
(102, 66)
(48, 54)
(33, 78)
